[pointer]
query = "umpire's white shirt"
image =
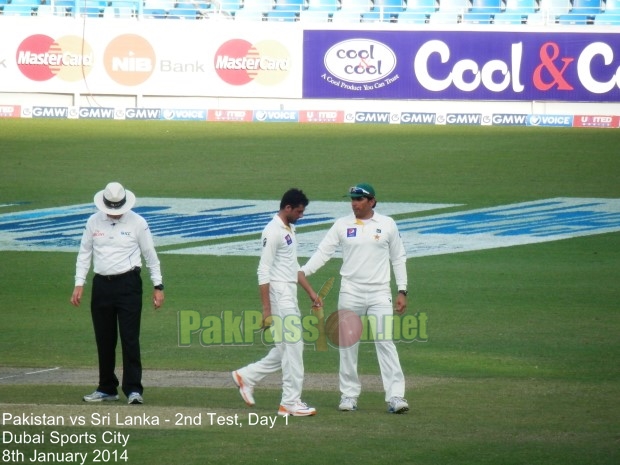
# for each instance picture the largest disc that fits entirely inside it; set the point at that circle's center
(115, 246)
(368, 247)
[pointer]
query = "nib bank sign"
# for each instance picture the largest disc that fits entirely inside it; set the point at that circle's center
(464, 65)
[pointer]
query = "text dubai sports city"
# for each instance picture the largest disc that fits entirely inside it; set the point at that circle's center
(232, 328)
(55, 437)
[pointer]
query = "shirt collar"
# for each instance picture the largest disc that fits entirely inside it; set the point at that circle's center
(122, 219)
(354, 220)
(290, 227)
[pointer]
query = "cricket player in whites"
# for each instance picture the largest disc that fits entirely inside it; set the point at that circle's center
(369, 242)
(278, 276)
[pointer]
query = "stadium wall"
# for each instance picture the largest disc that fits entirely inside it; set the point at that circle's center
(68, 67)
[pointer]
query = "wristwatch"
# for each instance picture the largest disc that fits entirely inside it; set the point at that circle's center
(159, 287)
(403, 292)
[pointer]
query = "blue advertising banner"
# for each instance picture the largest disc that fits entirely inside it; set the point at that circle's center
(462, 65)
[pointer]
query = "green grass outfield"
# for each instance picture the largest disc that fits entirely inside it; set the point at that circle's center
(522, 365)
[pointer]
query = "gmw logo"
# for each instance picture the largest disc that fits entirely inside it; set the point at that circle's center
(360, 60)
(40, 58)
(372, 117)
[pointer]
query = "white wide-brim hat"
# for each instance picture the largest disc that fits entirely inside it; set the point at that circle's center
(115, 199)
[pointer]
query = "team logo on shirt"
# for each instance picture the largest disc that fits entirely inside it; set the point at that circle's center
(288, 239)
(351, 232)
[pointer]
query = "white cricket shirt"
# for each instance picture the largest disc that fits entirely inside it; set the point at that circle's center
(278, 260)
(115, 246)
(368, 247)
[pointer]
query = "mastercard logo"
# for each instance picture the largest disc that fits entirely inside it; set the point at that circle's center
(40, 58)
(238, 62)
(129, 59)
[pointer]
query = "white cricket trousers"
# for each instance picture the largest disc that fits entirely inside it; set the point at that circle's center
(286, 355)
(375, 303)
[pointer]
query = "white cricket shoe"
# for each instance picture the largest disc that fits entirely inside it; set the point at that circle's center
(135, 398)
(99, 396)
(397, 405)
(246, 391)
(300, 409)
(347, 404)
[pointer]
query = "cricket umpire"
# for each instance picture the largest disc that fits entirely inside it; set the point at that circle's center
(115, 239)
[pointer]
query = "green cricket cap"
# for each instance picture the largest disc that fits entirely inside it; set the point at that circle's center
(361, 190)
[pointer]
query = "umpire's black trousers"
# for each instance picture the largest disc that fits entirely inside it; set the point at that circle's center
(116, 308)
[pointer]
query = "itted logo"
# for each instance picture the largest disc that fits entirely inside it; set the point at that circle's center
(360, 60)
(238, 62)
(40, 58)
(129, 60)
